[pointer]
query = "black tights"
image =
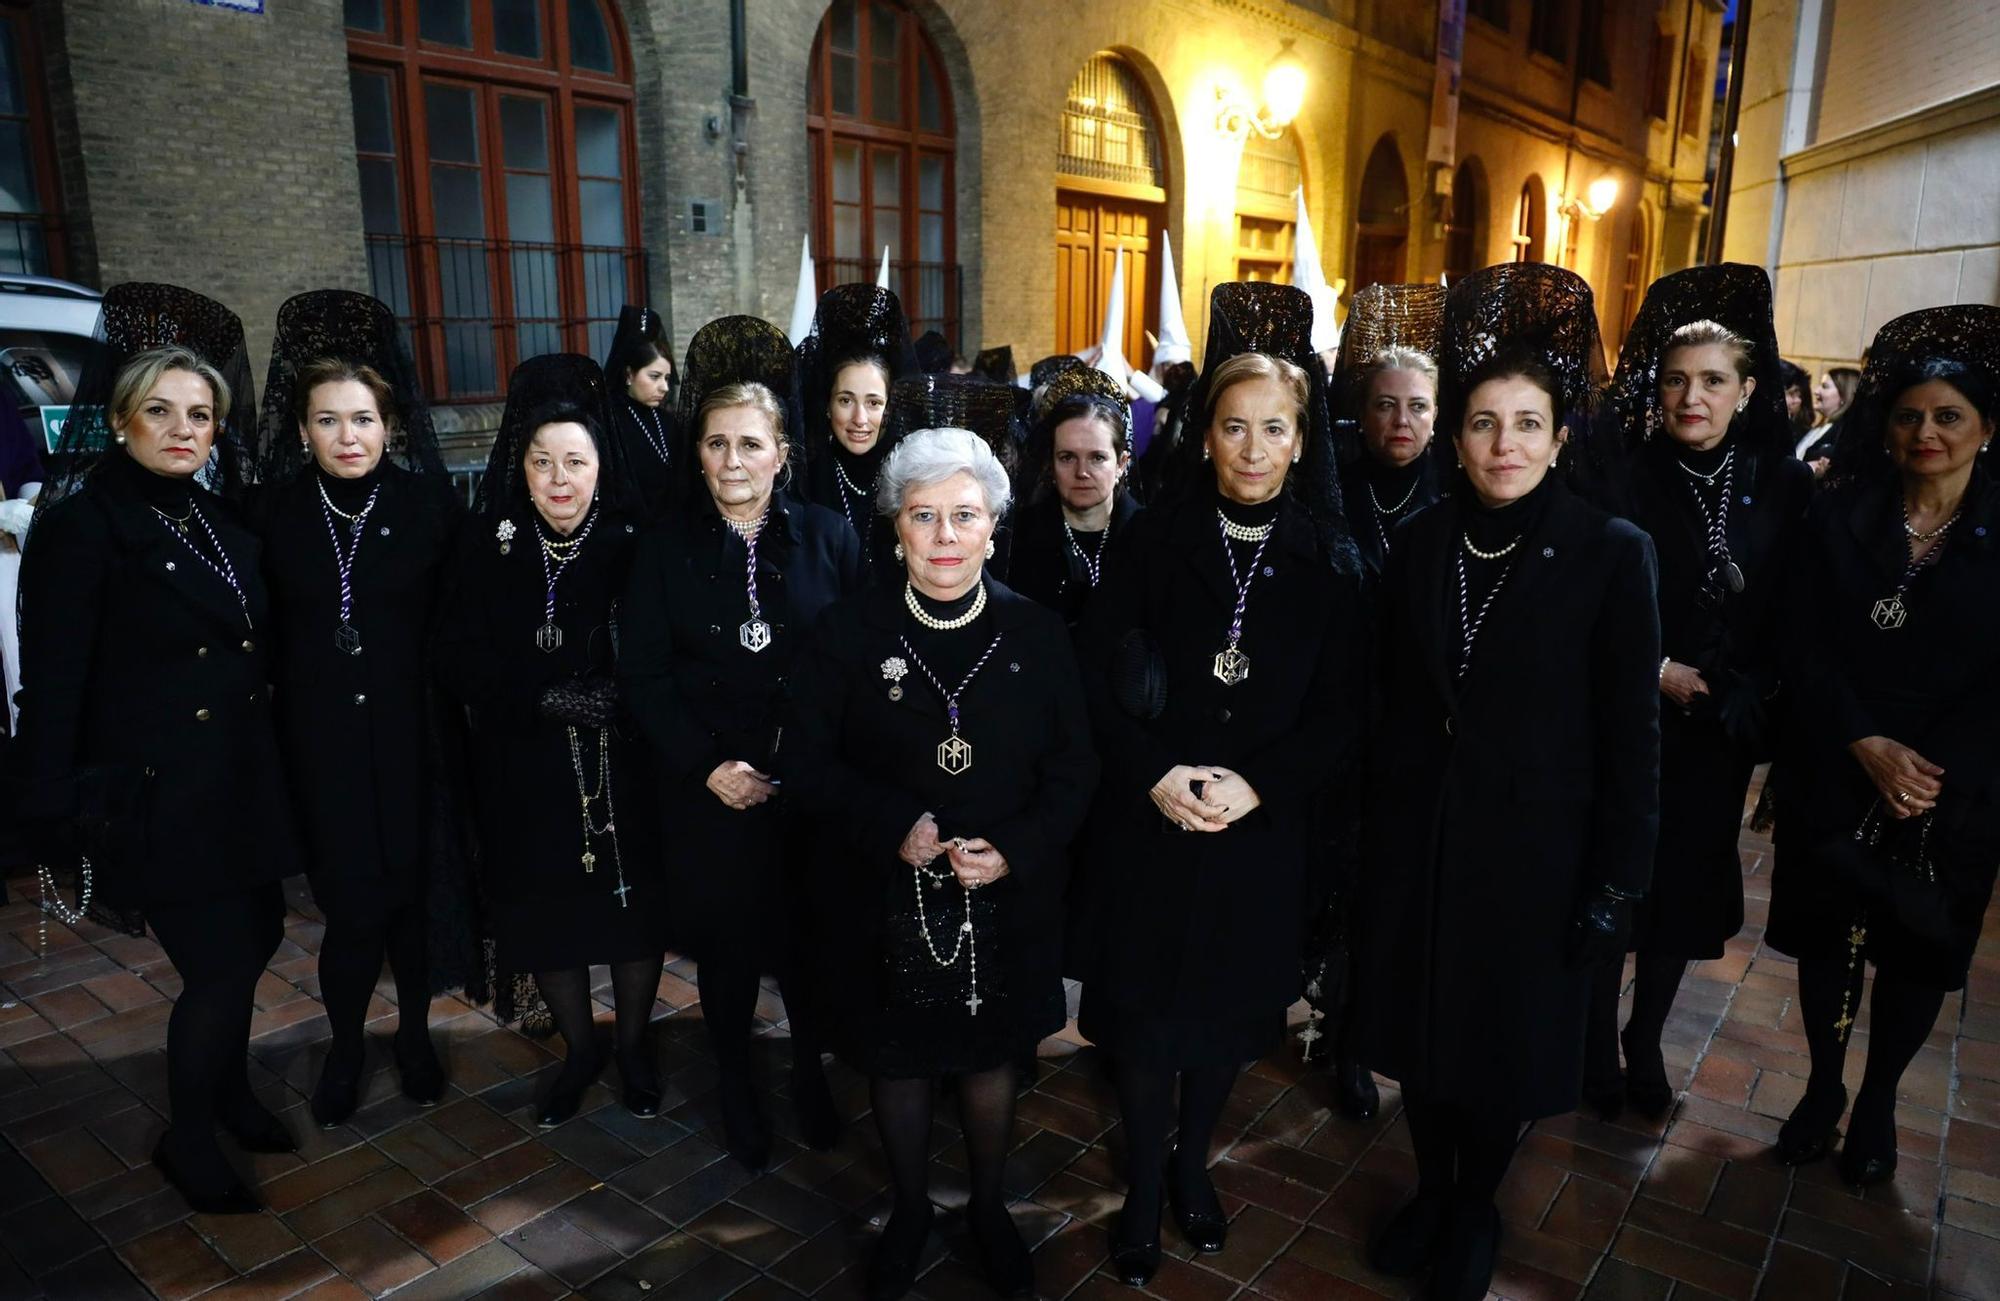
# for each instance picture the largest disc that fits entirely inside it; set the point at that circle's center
(1656, 981)
(1146, 1108)
(1901, 1016)
(985, 1118)
(729, 1010)
(350, 962)
(1461, 1154)
(634, 986)
(219, 948)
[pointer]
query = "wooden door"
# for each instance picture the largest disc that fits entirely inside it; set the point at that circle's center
(1378, 257)
(1090, 231)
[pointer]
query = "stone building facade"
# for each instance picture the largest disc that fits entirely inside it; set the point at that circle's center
(1867, 176)
(255, 150)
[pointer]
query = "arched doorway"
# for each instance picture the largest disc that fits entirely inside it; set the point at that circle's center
(1464, 228)
(1382, 226)
(883, 142)
(496, 152)
(1531, 222)
(1638, 263)
(1266, 207)
(1111, 195)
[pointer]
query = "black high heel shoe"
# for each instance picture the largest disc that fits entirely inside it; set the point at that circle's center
(1868, 1157)
(997, 1247)
(1206, 1230)
(640, 1086)
(1646, 1086)
(1354, 1090)
(339, 1089)
(1134, 1263)
(1807, 1133)
(229, 1197)
(566, 1096)
(1409, 1242)
(255, 1129)
(892, 1270)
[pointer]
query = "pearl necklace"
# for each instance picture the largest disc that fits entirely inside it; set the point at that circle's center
(1244, 532)
(1491, 555)
(1380, 509)
(747, 529)
(1910, 530)
(927, 619)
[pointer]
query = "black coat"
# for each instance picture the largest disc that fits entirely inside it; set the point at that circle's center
(357, 730)
(701, 699)
(1497, 804)
(1932, 684)
(860, 769)
(1210, 926)
(1044, 567)
(1696, 901)
(548, 911)
(877, 534)
(643, 442)
(145, 702)
(1373, 534)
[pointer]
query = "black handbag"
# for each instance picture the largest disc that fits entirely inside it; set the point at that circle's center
(912, 978)
(1888, 862)
(1139, 675)
(585, 700)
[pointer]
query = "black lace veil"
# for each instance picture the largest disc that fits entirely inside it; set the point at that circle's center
(1078, 382)
(851, 321)
(738, 350)
(341, 325)
(537, 384)
(138, 316)
(1384, 316)
(1276, 320)
(1967, 334)
(1733, 295)
(996, 364)
(639, 327)
(956, 402)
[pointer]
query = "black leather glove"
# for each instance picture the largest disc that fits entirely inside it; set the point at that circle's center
(1602, 926)
(586, 700)
(1741, 710)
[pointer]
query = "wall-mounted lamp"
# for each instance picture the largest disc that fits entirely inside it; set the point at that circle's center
(1597, 200)
(1284, 95)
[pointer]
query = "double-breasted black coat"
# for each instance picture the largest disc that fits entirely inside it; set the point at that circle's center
(1695, 904)
(1499, 803)
(146, 733)
(547, 911)
(702, 699)
(357, 731)
(1208, 928)
(1932, 684)
(861, 768)
(1044, 567)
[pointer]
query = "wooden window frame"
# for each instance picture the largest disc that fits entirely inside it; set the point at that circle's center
(42, 158)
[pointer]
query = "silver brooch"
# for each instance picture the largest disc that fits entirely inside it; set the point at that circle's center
(1548, 553)
(506, 535)
(894, 670)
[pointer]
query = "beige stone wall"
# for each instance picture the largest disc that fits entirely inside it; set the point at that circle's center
(1867, 199)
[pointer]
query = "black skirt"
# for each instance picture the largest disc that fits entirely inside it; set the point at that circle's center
(1178, 1043)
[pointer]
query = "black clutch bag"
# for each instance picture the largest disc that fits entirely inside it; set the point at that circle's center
(929, 947)
(587, 700)
(1139, 675)
(1888, 862)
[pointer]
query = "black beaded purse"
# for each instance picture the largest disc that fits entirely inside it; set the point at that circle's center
(949, 968)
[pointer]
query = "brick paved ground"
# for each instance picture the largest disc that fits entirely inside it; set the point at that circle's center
(469, 1199)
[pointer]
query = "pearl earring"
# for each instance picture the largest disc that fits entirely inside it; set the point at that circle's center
(1744, 403)
(1205, 454)
(899, 551)
(989, 550)
(121, 440)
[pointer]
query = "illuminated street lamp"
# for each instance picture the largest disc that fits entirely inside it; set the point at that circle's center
(1284, 95)
(1597, 200)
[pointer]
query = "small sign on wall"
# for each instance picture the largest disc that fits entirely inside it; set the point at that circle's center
(241, 6)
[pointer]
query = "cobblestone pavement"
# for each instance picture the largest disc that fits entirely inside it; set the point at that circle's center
(470, 1199)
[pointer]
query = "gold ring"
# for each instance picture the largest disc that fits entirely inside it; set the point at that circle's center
(1902, 797)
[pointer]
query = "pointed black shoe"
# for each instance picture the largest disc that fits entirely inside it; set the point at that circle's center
(566, 1096)
(1471, 1246)
(255, 1129)
(639, 1085)
(227, 1198)
(892, 1269)
(1807, 1135)
(1203, 1227)
(1354, 1090)
(1410, 1241)
(1868, 1156)
(1646, 1085)
(421, 1072)
(339, 1089)
(1002, 1257)
(1134, 1263)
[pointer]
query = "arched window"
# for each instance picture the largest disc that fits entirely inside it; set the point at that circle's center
(1531, 222)
(30, 242)
(1638, 262)
(1111, 197)
(497, 159)
(1382, 228)
(1464, 245)
(883, 142)
(1267, 183)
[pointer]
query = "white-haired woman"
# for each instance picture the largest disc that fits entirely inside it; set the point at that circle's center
(942, 745)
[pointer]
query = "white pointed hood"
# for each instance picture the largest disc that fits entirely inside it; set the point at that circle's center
(1110, 349)
(1307, 274)
(1172, 344)
(804, 298)
(882, 276)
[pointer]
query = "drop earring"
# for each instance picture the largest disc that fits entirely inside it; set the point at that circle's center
(899, 551)
(1205, 453)
(989, 550)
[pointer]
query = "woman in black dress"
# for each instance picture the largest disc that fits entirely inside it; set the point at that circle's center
(643, 419)
(358, 519)
(1079, 454)
(1513, 771)
(717, 610)
(1389, 380)
(1202, 864)
(1713, 482)
(528, 644)
(1893, 711)
(942, 759)
(146, 731)
(859, 347)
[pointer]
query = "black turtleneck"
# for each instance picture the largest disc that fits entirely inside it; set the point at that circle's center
(170, 493)
(1491, 529)
(350, 495)
(860, 468)
(1393, 482)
